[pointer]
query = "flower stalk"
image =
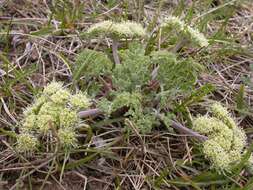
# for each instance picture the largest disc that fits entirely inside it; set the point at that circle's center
(115, 54)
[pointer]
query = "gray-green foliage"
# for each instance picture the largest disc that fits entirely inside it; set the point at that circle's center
(173, 74)
(120, 100)
(134, 71)
(142, 118)
(91, 63)
(132, 82)
(136, 68)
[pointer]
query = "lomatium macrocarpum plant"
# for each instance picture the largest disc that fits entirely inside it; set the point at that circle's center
(53, 117)
(117, 31)
(226, 141)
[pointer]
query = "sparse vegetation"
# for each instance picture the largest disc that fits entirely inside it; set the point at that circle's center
(126, 94)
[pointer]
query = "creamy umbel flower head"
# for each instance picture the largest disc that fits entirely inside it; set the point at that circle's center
(29, 123)
(197, 37)
(79, 100)
(52, 88)
(113, 29)
(68, 118)
(136, 29)
(193, 34)
(216, 154)
(101, 27)
(67, 138)
(54, 112)
(26, 142)
(174, 22)
(226, 141)
(61, 96)
(221, 113)
(45, 123)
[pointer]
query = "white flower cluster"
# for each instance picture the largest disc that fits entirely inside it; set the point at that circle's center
(55, 110)
(226, 141)
(193, 34)
(123, 29)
